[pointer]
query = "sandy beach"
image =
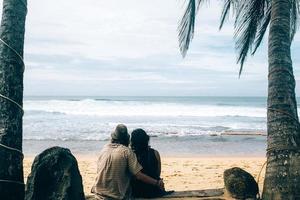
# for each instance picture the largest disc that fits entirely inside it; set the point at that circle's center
(179, 173)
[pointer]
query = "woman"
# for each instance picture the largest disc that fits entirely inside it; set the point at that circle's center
(150, 160)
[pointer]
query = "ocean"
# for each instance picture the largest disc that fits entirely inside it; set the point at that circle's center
(177, 125)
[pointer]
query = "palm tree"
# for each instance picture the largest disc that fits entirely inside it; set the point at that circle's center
(11, 99)
(252, 19)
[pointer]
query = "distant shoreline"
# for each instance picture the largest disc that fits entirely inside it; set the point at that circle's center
(244, 133)
(231, 144)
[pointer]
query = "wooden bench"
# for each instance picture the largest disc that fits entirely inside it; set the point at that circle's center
(210, 194)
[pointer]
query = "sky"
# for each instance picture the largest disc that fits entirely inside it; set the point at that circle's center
(130, 48)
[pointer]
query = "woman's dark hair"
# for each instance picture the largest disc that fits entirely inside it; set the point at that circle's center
(139, 140)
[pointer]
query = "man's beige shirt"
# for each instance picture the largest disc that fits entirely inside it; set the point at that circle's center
(116, 166)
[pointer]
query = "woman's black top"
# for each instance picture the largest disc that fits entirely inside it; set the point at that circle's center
(149, 163)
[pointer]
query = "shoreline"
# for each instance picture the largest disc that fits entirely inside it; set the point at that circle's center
(175, 146)
(245, 133)
(170, 135)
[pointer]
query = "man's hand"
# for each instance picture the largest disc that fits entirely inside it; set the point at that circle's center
(147, 179)
(161, 184)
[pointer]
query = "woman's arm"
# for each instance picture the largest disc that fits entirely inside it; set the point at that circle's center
(158, 162)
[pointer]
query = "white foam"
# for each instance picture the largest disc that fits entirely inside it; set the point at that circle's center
(94, 119)
(137, 108)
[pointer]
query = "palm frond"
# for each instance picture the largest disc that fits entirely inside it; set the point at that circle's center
(228, 5)
(186, 27)
(239, 11)
(200, 2)
(248, 20)
(262, 28)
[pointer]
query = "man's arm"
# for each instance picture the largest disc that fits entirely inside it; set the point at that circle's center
(135, 169)
(147, 179)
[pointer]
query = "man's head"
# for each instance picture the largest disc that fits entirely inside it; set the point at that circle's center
(120, 135)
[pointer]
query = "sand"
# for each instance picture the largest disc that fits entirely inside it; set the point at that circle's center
(179, 173)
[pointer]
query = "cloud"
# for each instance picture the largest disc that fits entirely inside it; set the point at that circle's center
(100, 47)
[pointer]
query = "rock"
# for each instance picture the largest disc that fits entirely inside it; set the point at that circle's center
(240, 184)
(54, 176)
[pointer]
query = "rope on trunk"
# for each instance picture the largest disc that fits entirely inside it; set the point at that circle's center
(20, 152)
(16, 182)
(12, 101)
(12, 149)
(19, 106)
(258, 178)
(23, 64)
(284, 148)
(285, 113)
(11, 48)
(15, 150)
(262, 167)
(281, 70)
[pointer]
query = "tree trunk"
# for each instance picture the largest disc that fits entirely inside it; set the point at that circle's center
(11, 86)
(282, 179)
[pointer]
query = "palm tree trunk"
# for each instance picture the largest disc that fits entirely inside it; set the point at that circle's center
(282, 179)
(11, 86)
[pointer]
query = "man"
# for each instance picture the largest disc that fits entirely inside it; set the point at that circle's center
(117, 165)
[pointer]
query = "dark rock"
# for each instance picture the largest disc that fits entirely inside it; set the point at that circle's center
(240, 184)
(54, 176)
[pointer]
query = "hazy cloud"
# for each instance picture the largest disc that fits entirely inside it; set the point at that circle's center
(100, 47)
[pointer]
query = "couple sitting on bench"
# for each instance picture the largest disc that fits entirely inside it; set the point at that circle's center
(124, 172)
